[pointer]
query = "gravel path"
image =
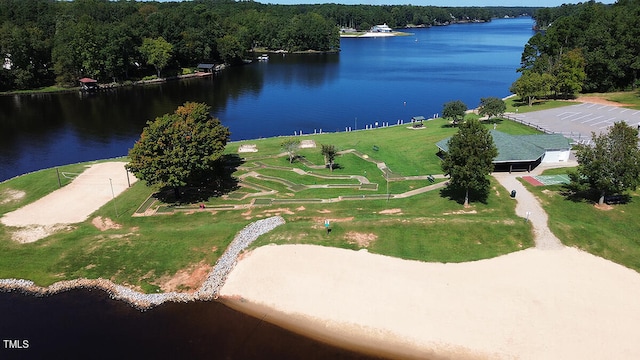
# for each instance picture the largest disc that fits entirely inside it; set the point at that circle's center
(529, 208)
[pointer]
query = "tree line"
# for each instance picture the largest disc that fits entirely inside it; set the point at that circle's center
(46, 42)
(586, 47)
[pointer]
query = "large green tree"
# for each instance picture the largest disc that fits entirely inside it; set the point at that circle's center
(569, 73)
(329, 152)
(492, 106)
(179, 149)
(230, 49)
(469, 159)
(157, 52)
(454, 110)
(532, 85)
(612, 164)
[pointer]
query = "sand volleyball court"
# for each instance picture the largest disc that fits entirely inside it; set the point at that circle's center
(70, 204)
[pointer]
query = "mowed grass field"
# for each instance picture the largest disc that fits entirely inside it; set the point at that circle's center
(610, 232)
(147, 251)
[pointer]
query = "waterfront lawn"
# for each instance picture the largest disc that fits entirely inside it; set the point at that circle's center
(149, 250)
(611, 233)
(46, 89)
(405, 151)
(144, 252)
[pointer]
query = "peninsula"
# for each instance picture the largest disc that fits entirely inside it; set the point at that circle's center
(404, 271)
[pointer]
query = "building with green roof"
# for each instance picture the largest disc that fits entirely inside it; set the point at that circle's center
(524, 152)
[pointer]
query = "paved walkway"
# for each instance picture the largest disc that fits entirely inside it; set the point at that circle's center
(529, 208)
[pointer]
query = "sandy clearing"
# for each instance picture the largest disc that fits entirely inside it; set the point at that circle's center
(599, 100)
(533, 304)
(76, 201)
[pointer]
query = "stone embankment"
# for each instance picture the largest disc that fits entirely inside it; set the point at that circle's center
(208, 290)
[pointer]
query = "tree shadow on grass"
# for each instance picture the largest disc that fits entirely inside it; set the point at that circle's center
(494, 120)
(577, 191)
(201, 188)
(578, 194)
(457, 194)
(449, 125)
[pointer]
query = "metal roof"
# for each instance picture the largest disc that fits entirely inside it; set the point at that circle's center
(520, 148)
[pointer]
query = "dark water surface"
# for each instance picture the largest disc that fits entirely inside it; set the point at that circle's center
(371, 80)
(377, 79)
(82, 324)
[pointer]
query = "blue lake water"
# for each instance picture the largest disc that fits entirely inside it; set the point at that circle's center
(371, 80)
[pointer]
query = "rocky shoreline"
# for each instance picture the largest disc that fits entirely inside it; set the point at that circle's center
(208, 290)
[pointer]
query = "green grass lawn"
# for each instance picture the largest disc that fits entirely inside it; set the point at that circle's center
(427, 227)
(147, 250)
(611, 234)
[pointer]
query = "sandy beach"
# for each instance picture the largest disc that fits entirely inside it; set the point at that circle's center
(533, 304)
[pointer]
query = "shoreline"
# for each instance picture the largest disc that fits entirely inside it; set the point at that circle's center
(109, 86)
(531, 304)
(209, 289)
(349, 336)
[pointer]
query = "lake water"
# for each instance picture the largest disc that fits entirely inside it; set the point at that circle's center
(371, 80)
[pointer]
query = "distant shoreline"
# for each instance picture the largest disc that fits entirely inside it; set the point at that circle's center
(369, 34)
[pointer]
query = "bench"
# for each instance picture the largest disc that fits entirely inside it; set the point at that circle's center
(616, 199)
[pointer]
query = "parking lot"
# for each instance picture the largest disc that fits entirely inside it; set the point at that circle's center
(578, 121)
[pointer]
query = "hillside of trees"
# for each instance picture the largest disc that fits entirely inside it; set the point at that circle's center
(601, 41)
(47, 42)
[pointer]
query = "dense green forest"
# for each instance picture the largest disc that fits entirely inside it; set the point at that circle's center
(46, 42)
(583, 47)
(588, 47)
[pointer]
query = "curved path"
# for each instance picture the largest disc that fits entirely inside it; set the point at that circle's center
(529, 208)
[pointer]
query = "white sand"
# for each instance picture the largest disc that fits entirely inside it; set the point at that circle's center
(533, 304)
(74, 202)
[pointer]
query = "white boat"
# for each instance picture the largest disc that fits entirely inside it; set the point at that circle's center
(384, 28)
(263, 57)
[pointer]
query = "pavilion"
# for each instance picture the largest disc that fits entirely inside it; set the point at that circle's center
(524, 152)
